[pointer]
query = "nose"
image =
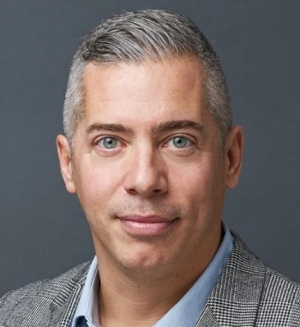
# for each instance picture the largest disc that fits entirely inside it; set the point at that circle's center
(146, 175)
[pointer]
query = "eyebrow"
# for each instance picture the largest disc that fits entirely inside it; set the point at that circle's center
(160, 128)
(108, 127)
(179, 124)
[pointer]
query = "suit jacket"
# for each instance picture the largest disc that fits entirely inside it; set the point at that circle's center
(248, 293)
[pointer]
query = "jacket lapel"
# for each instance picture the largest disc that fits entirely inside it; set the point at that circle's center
(235, 299)
(65, 304)
(62, 317)
(207, 319)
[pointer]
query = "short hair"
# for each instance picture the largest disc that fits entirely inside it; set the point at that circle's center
(135, 37)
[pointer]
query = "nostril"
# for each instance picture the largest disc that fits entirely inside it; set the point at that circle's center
(131, 191)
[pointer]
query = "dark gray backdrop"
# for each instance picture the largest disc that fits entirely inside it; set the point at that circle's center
(42, 229)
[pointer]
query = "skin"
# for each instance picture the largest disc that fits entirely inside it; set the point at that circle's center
(149, 172)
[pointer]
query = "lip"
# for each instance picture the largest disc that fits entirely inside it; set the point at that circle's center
(151, 225)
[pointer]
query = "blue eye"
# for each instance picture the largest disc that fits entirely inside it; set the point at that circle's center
(108, 143)
(180, 142)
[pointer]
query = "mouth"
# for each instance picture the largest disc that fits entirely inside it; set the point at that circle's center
(152, 225)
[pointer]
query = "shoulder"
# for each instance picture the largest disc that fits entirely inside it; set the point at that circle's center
(278, 297)
(249, 293)
(248, 264)
(41, 298)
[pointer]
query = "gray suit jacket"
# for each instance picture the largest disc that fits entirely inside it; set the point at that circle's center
(248, 293)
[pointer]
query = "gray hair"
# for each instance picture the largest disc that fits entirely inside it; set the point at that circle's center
(134, 37)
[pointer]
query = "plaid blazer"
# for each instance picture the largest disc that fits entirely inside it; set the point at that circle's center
(248, 293)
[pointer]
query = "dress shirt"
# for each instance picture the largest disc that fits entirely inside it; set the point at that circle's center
(184, 313)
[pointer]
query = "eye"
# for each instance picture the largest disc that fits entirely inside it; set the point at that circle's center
(108, 143)
(180, 142)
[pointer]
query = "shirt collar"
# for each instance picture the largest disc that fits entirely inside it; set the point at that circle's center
(184, 313)
(88, 303)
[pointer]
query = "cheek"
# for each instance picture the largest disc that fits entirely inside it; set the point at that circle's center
(94, 195)
(94, 187)
(194, 179)
(199, 188)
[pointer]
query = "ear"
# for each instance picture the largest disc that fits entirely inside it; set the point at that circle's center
(233, 155)
(64, 156)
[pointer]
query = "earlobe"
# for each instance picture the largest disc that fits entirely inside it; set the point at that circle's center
(64, 156)
(233, 153)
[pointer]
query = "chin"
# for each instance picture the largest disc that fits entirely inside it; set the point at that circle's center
(144, 261)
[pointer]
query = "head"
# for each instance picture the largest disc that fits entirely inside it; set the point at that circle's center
(136, 37)
(146, 111)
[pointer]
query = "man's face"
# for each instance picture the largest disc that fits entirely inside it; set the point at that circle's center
(147, 165)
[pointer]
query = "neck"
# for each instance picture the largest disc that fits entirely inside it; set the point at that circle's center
(140, 299)
(136, 303)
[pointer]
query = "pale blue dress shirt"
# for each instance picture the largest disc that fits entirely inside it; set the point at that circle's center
(184, 313)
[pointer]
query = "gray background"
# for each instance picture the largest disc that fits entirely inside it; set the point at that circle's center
(42, 229)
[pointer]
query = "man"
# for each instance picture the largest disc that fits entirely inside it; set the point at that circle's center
(149, 149)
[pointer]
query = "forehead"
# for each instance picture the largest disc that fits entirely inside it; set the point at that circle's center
(145, 91)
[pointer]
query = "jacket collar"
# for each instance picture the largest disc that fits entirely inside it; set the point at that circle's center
(235, 299)
(64, 307)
